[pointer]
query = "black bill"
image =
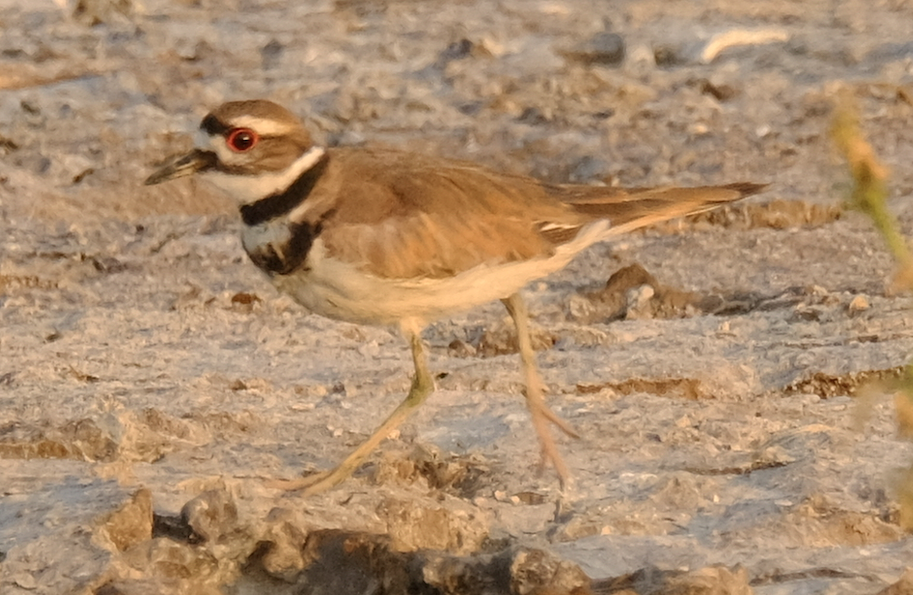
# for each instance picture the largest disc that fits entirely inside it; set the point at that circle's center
(183, 165)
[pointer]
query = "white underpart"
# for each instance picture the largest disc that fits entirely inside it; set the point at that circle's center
(340, 290)
(274, 232)
(248, 189)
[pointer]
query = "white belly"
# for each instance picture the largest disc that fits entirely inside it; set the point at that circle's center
(340, 290)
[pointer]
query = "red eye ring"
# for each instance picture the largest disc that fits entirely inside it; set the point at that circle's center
(241, 140)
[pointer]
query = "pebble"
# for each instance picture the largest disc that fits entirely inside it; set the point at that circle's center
(857, 305)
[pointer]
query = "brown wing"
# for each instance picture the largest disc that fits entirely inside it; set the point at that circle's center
(400, 215)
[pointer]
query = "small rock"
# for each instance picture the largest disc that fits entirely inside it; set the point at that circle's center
(25, 581)
(108, 264)
(213, 514)
(667, 56)
(96, 12)
(904, 586)
(174, 528)
(286, 537)
(578, 527)
(858, 305)
(271, 54)
(457, 50)
(719, 91)
(454, 527)
(131, 523)
(606, 49)
(638, 302)
(534, 115)
(535, 571)
(458, 348)
(718, 580)
(163, 558)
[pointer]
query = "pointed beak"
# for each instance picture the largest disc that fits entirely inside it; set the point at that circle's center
(183, 165)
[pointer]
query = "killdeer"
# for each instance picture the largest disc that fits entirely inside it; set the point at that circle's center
(386, 237)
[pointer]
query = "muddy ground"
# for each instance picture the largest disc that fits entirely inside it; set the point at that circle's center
(738, 431)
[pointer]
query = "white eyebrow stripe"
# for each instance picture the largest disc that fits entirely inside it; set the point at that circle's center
(262, 126)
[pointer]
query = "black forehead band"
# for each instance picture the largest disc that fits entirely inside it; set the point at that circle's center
(213, 126)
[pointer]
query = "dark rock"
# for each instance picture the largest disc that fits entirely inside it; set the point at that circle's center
(456, 50)
(721, 92)
(173, 527)
(271, 54)
(361, 563)
(606, 49)
(667, 56)
(107, 264)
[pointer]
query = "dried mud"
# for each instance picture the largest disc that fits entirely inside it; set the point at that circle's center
(731, 382)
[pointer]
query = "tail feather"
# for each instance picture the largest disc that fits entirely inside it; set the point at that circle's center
(631, 208)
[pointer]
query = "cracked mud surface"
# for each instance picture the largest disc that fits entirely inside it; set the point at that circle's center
(731, 384)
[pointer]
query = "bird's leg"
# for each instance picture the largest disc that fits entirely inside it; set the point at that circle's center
(539, 411)
(422, 386)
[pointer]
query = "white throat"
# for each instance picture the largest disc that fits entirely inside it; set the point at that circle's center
(249, 189)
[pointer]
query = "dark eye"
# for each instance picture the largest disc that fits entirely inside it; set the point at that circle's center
(242, 139)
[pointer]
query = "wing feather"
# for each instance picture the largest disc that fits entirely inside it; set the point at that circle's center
(402, 215)
(422, 217)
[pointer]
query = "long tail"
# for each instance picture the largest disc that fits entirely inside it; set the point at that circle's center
(631, 208)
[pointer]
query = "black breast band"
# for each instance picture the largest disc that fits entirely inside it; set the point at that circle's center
(282, 203)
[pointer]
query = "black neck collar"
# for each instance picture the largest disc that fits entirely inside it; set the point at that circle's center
(282, 203)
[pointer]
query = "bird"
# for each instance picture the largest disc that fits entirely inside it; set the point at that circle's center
(380, 236)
